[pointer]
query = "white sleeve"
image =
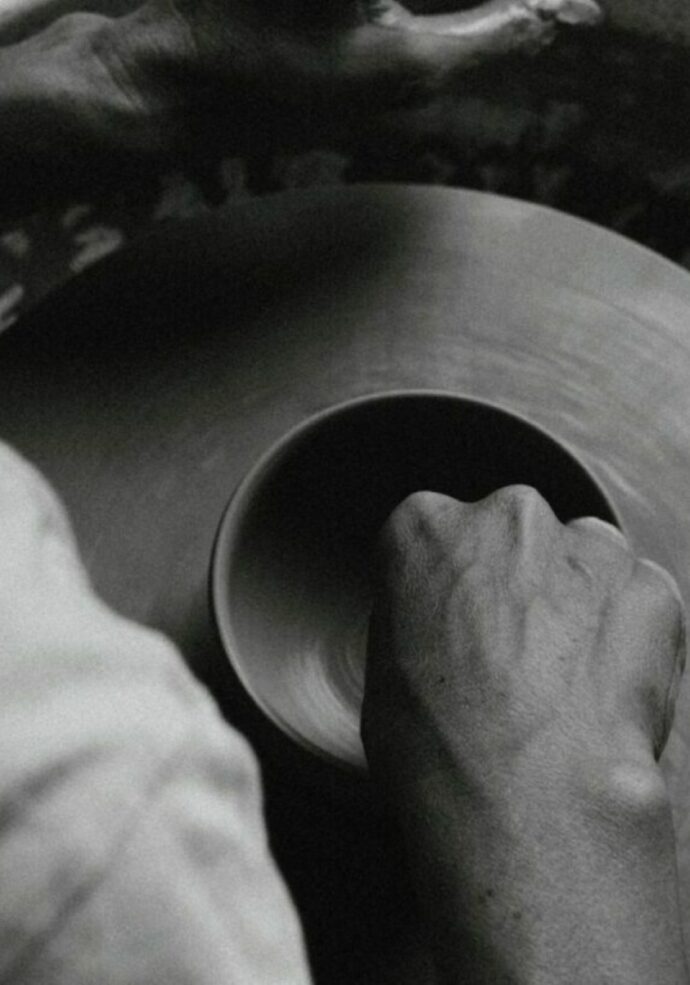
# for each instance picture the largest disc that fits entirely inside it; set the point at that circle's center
(132, 841)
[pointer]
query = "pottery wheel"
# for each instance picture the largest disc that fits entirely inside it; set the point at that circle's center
(148, 386)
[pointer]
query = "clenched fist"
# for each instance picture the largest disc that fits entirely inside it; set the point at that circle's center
(520, 688)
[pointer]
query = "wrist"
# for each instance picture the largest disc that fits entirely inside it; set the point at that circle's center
(559, 865)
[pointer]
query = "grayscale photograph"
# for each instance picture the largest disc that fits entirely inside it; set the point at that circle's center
(344, 492)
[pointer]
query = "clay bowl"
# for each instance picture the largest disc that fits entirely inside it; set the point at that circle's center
(291, 571)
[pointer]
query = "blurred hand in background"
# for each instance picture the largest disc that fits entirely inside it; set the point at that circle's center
(81, 90)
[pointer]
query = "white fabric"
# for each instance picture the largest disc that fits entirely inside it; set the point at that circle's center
(132, 843)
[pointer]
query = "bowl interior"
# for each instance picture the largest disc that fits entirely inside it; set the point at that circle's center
(293, 561)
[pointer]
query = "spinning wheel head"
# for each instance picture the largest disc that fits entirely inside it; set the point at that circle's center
(292, 566)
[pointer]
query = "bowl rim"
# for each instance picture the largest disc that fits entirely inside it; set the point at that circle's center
(236, 507)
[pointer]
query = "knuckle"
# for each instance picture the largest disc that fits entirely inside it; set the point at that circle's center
(425, 503)
(518, 495)
(600, 528)
(594, 538)
(419, 508)
(417, 518)
(657, 580)
(659, 588)
(518, 502)
(397, 523)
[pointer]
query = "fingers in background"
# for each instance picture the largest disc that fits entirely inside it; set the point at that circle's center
(21, 18)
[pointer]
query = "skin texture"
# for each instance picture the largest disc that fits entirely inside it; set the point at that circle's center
(520, 688)
(83, 94)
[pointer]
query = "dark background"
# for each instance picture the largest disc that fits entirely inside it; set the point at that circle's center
(596, 126)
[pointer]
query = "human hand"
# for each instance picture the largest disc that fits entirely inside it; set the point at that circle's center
(174, 75)
(520, 688)
(522, 638)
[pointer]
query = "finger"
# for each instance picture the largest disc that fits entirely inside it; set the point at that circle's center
(599, 560)
(672, 614)
(21, 18)
(422, 522)
(522, 514)
(599, 551)
(673, 689)
(649, 620)
(418, 547)
(519, 499)
(599, 528)
(666, 577)
(658, 595)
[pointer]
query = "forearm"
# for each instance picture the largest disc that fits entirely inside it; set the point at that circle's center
(550, 888)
